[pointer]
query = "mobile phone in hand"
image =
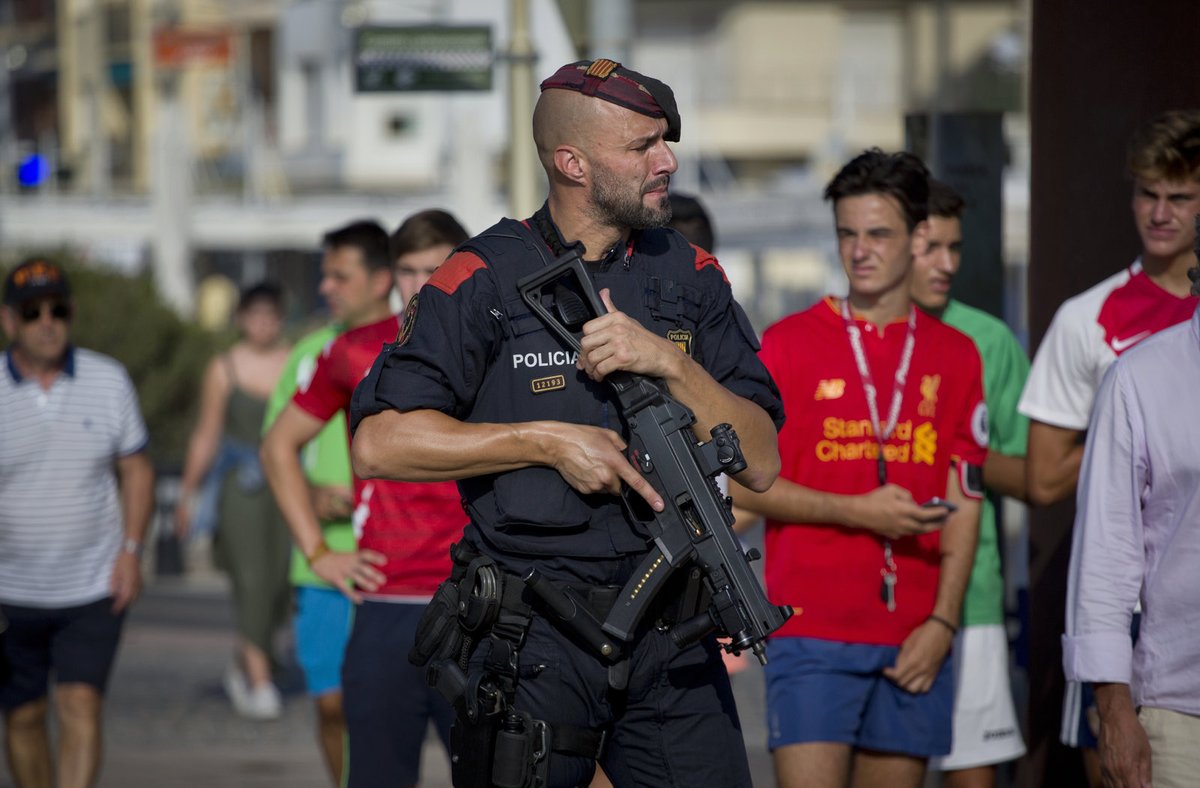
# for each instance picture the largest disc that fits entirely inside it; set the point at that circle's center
(939, 501)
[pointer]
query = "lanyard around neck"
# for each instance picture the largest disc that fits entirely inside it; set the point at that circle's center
(864, 372)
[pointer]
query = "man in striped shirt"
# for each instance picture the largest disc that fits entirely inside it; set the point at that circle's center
(76, 494)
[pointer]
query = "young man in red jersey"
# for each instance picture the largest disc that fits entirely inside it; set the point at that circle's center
(872, 524)
(404, 532)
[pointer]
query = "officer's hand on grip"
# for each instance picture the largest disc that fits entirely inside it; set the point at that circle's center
(891, 512)
(616, 341)
(593, 460)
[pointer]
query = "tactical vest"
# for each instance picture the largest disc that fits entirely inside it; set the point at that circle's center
(533, 511)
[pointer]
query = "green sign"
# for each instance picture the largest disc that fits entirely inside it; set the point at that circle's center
(427, 57)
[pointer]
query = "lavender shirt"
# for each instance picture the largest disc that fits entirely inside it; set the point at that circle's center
(1137, 532)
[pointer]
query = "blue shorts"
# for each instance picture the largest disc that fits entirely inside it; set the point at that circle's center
(322, 627)
(387, 703)
(828, 691)
(78, 644)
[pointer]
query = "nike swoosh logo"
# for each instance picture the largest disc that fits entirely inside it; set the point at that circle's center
(1121, 345)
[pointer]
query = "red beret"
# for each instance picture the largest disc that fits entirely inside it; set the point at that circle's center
(609, 80)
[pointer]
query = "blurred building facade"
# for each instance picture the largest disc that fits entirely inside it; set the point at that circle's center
(222, 136)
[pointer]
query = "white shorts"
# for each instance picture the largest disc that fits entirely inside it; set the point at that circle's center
(985, 720)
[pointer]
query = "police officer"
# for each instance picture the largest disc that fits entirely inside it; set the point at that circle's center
(477, 389)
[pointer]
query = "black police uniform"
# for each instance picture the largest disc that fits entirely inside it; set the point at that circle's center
(474, 351)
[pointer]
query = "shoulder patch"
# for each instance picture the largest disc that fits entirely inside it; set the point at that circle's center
(705, 259)
(979, 425)
(457, 269)
(410, 319)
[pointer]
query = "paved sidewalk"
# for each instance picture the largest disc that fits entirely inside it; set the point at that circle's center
(169, 725)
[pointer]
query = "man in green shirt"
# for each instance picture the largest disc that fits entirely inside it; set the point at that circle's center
(985, 724)
(322, 621)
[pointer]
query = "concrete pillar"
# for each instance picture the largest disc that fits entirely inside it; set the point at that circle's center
(610, 26)
(523, 181)
(141, 22)
(171, 202)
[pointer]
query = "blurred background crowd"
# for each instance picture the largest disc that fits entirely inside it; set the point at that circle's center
(172, 153)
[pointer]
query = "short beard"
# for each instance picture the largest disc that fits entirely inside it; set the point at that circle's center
(615, 210)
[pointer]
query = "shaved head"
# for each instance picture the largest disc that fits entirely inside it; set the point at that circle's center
(563, 117)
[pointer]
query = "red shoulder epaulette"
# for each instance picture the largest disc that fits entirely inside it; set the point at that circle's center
(704, 259)
(457, 269)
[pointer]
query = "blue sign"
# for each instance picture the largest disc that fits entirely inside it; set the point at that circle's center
(33, 170)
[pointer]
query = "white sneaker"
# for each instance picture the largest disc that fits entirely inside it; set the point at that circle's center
(236, 689)
(254, 703)
(263, 703)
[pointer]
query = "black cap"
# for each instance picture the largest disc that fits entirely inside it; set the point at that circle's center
(32, 279)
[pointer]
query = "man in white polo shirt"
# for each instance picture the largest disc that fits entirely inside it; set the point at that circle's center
(76, 494)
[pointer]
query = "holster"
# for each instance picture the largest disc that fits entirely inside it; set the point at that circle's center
(493, 744)
(462, 610)
(438, 633)
(473, 746)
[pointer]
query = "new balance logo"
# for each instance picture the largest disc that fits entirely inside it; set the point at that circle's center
(832, 388)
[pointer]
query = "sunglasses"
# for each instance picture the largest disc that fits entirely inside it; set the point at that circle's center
(59, 310)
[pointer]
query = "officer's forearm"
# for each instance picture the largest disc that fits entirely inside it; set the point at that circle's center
(429, 446)
(714, 404)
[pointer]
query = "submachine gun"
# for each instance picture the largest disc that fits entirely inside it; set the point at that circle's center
(695, 529)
